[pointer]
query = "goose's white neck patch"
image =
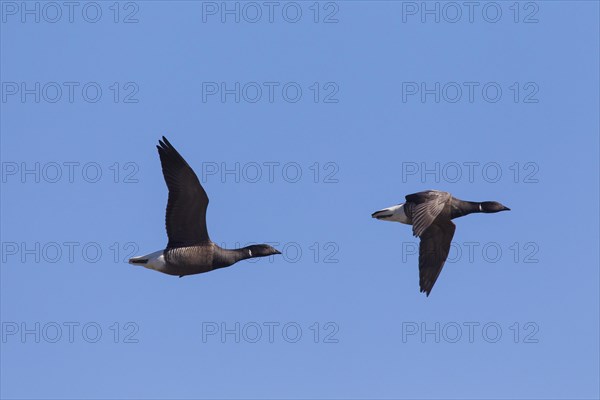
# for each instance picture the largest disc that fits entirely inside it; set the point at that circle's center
(480, 209)
(250, 252)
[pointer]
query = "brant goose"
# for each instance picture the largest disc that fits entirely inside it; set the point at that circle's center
(190, 251)
(430, 213)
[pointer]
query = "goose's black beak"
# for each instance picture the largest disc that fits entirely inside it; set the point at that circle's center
(506, 209)
(277, 252)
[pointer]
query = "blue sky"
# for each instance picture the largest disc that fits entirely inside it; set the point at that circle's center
(301, 118)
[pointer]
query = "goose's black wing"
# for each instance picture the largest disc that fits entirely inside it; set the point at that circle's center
(427, 206)
(433, 252)
(186, 208)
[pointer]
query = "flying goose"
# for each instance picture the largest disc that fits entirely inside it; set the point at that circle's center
(429, 213)
(190, 250)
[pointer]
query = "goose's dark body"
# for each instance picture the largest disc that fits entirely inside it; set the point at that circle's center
(197, 259)
(190, 250)
(430, 214)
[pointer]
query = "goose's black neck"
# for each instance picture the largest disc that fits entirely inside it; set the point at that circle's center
(226, 257)
(461, 208)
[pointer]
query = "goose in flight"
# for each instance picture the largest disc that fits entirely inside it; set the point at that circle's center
(430, 214)
(190, 250)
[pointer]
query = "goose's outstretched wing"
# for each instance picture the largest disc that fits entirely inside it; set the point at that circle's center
(433, 252)
(186, 207)
(427, 206)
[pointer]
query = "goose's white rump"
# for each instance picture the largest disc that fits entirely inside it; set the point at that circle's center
(155, 261)
(394, 214)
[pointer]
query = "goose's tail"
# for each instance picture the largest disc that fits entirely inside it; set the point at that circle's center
(141, 260)
(154, 261)
(394, 213)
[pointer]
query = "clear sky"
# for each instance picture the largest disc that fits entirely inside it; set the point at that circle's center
(301, 119)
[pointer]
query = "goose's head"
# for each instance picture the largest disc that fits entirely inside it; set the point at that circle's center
(261, 250)
(492, 207)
